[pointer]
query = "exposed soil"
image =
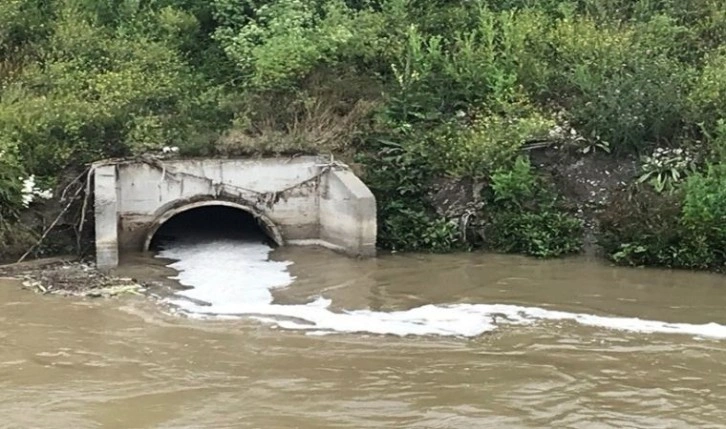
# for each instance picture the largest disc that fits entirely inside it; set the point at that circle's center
(586, 181)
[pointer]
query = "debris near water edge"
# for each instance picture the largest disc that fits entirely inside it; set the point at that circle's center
(70, 277)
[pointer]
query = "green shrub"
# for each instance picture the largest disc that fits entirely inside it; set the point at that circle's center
(524, 216)
(543, 233)
(438, 76)
(708, 98)
(616, 87)
(13, 236)
(23, 22)
(644, 227)
(487, 144)
(716, 148)
(405, 227)
(278, 43)
(683, 229)
(11, 183)
(400, 178)
(704, 208)
(99, 95)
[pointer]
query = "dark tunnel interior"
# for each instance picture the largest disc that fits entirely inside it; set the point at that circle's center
(209, 223)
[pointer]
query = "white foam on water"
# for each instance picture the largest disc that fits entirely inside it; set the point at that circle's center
(233, 278)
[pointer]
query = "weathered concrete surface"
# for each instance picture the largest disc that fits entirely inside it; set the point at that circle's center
(348, 213)
(106, 215)
(301, 201)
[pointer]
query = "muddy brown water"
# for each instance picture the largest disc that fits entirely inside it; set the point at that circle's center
(127, 363)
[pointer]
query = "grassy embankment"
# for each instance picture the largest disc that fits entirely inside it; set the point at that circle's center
(416, 91)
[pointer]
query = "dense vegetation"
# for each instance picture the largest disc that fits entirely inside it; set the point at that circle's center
(414, 90)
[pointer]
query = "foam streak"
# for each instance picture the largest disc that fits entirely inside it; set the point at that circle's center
(236, 278)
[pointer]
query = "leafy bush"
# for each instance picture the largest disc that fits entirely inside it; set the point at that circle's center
(12, 201)
(524, 216)
(709, 94)
(407, 228)
(278, 43)
(717, 142)
(615, 86)
(683, 229)
(399, 178)
(543, 233)
(487, 144)
(98, 96)
(438, 77)
(11, 183)
(644, 227)
(704, 209)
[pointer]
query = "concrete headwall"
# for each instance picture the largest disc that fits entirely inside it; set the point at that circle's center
(348, 213)
(301, 200)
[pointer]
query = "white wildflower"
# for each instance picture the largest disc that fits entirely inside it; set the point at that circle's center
(27, 191)
(30, 191)
(45, 194)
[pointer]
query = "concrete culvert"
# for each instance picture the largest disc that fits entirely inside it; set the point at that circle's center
(305, 201)
(208, 221)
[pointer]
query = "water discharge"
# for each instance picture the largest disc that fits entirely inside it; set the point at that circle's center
(235, 278)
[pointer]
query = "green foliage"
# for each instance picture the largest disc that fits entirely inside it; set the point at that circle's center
(402, 165)
(406, 228)
(515, 188)
(665, 168)
(442, 76)
(275, 44)
(420, 89)
(488, 143)
(717, 142)
(399, 178)
(23, 22)
(12, 236)
(99, 95)
(615, 85)
(709, 94)
(524, 216)
(542, 233)
(683, 229)
(704, 208)
(11, 183)
(595, 145)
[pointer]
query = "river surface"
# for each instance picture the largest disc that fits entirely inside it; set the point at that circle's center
(310, 339)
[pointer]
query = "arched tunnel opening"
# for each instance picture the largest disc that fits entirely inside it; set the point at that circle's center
(212, 222)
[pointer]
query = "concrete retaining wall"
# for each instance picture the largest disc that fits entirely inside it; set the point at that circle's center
(302, 199)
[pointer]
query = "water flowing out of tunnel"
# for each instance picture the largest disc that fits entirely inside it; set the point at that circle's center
(233, 276)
